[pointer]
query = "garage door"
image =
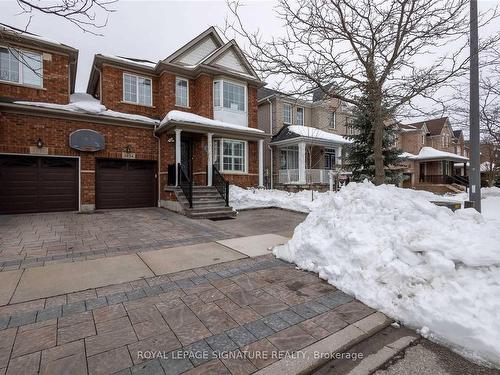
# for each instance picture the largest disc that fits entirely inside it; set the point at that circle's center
(38, 184)
(125, 184)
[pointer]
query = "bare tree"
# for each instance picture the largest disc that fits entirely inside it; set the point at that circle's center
(391, 51)
(81, 13)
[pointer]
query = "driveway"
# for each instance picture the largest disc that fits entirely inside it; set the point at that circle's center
(37, 239)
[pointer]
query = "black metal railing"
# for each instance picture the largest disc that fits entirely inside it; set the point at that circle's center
(185, 183)
(445, 179)
(461, 180)
(220, 184)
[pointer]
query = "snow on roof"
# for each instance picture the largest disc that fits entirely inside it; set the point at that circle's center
(24, 33)
(85, 103)
(181, 116)
(407, 155)
(431, 153)
(145, 63)
(308, 132)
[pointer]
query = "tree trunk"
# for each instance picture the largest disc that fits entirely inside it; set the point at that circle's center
(378, 156)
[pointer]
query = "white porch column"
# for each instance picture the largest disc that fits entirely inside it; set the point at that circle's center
(302, 162)
(210, 160)
(338, 155)
(177, 154)
(261, 163)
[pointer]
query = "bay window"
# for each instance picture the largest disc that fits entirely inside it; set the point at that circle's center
(230, 155)
(137, 89)
(181, 92)
(21, 67)
(230, 95)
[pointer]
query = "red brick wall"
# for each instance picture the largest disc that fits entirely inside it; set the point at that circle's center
(203, 96)
(19, 131)
(253, 108)
(55, 83)
(112, 93)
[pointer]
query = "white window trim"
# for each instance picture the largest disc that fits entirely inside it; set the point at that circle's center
(291, 114)
(221, 156)
(221, 95)
(303, 116)
(137, 88)
(334, 117)
(21, 78)
(177, 79)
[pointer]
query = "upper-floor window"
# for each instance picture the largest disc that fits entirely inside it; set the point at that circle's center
(300, 116)
(287, 113)
(21, 67)
(423, 139)
(333, 120)
(137, 89)
(181, 92)
(230, 95)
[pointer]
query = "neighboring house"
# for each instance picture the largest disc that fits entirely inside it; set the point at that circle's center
(144, 134)
(307, 138)
(432, 152)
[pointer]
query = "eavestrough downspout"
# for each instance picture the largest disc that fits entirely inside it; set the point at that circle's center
(159, 165)
(270, 133)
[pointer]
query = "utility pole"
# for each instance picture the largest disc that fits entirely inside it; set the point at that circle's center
(475, 172)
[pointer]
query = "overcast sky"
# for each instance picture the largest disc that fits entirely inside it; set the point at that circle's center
(144, 29)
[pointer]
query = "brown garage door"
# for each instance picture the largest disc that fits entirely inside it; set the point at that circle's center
(125, 183)
(38, 184)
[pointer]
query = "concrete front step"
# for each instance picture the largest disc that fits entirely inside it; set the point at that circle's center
(214, 214)
(207, 203)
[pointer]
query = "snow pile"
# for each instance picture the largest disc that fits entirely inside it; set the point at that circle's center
(421, 264)
(181, 116)
(85, 103)
(241, 199)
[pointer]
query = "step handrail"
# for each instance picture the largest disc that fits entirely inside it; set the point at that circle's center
(185, 183)
(220, 183)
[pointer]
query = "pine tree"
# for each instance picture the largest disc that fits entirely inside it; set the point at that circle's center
(360, 154)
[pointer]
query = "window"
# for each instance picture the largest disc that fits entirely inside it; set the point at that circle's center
(137, 89)
(287, 114)
(181, 92)
(289, 157)
(300, 116)
(329, 158)
(333, 120)
(230, 95)
(230, 155)
(21, 67)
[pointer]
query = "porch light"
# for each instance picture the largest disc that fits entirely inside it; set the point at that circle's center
(39, 143)
(171, 140)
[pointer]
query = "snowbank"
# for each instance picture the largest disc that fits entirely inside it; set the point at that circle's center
(421, 264)
(241, 199)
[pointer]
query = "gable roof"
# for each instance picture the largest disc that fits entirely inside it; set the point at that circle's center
(229, 48)
(434, 126)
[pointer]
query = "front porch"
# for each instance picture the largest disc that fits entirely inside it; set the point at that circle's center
(308, 157)
(200, 157)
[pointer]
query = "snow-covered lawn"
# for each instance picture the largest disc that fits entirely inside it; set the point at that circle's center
(424, 265)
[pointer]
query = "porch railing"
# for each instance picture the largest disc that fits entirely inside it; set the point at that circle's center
(220, 183)
(444, 179)
(315, 176)
(185, 183)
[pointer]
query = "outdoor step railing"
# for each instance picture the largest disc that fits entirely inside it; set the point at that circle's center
(186, 184)
(220, 183)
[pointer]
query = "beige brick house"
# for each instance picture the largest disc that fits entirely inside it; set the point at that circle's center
(307, 138)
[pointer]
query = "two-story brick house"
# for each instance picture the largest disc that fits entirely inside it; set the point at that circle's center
(432, 153)
(307, 138)
(144, 134)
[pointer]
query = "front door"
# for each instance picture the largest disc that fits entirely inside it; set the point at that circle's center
(187, 155)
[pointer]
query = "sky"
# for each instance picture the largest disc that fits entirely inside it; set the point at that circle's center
(150, 30)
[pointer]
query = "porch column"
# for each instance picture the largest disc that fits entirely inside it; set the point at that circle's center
(338, 156)
(177, 154)
(261, 163)
(302, 162)
(210, 161)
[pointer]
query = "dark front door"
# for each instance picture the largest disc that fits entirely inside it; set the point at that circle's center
(125, 183)
(187, 155)
(38, 184)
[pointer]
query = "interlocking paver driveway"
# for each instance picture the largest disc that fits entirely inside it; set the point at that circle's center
(197, 321)
(34, 239)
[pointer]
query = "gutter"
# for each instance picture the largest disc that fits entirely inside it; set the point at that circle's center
(270, 133)
(159, 165)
